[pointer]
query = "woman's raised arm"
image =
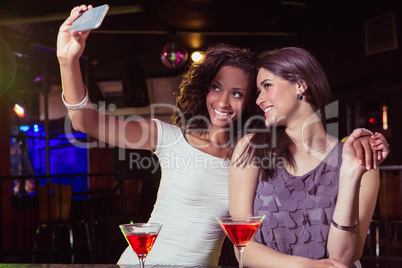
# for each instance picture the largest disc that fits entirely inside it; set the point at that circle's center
(136, 134)
(357, 196)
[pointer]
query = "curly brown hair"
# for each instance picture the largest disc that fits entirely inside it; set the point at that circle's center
(191, 102)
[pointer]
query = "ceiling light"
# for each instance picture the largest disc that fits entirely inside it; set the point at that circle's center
(197, 56)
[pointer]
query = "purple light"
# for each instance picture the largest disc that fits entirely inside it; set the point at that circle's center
(37, 79)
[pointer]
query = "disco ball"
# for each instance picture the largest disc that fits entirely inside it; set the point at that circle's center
(173, 55)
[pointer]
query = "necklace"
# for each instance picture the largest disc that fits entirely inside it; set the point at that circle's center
(311, 150)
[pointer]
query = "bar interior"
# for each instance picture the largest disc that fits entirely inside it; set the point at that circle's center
(64, 194)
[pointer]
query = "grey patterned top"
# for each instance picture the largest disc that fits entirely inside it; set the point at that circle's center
(299, 209)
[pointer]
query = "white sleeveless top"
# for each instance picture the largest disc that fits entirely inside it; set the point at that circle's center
(193, 191)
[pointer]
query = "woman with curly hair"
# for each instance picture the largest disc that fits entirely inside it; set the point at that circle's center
(193, 189)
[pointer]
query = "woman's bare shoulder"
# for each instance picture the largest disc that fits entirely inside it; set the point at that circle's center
(244, 141)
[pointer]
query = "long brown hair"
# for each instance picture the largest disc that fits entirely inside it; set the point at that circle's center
(294, 65)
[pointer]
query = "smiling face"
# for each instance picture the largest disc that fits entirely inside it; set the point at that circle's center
(228, 96)
(278, 98)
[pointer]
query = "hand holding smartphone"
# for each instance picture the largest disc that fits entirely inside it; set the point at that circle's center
(90, 19)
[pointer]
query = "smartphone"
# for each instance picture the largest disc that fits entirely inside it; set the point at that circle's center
(90, 19)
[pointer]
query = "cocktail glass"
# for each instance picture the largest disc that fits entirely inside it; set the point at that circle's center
(240, 230)
(141, 237)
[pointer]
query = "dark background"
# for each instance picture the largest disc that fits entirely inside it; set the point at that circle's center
(363, 65)
(134, 32)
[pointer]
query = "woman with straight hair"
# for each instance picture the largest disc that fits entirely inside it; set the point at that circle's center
(316, 194)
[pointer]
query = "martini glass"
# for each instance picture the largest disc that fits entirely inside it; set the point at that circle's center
(240, 230)
(141, 237)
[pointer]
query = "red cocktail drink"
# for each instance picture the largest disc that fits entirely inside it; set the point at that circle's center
(240, 233)
(141, 237)
(240, 230)
(141, 243)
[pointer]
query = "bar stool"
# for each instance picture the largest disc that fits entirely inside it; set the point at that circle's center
(132, 197)
(373, 234)
(54, 213)
(390, 201)
(128, 199)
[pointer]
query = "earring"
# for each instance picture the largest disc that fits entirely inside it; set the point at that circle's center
(300, 96)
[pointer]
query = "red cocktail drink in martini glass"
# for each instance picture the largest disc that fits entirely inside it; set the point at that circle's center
(141, 237)
(240, 230)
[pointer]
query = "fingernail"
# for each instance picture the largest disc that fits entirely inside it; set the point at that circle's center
(371, 132)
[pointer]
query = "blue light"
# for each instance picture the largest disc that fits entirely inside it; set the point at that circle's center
(24, 128)
(36, 127)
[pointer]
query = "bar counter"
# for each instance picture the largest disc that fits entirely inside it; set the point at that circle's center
(371, 262)
(38, 265)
